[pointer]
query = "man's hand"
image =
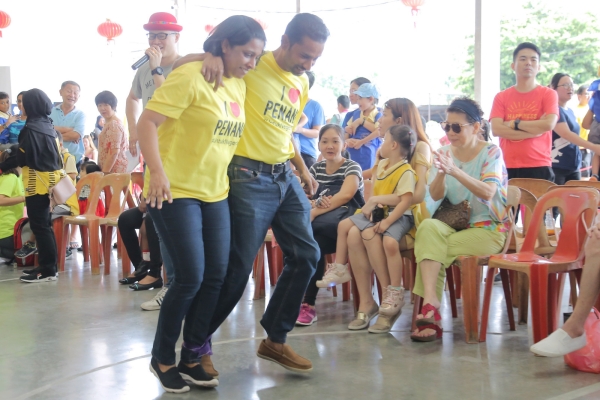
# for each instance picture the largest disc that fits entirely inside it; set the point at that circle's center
(310, 184)
(154, 57)
(213, 69)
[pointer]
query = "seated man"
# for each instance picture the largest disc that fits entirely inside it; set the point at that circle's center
(571, 336)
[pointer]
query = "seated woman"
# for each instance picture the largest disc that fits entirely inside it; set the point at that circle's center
(147, 274)
(398, 111)
(467, 169)
(12, 199)
(339, 195)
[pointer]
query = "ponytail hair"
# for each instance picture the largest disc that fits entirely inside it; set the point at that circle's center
(406, 138)
(237, 30)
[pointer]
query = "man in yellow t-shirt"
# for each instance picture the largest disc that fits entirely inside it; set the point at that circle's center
(264, 192)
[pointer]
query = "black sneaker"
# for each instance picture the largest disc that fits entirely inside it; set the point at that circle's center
(27, 250)
(32, 271)
(171, 381)
(44, 275)
(69, 253)
(197, 375)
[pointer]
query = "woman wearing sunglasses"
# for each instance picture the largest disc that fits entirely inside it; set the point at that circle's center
(466, 169)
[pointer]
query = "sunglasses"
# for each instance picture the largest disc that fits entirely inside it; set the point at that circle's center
(456, 128)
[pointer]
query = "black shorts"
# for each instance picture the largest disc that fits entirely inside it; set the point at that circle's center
(534, 172)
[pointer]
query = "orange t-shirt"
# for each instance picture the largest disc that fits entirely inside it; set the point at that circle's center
(531, 106)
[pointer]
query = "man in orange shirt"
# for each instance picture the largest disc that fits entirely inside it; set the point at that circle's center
(523, 117)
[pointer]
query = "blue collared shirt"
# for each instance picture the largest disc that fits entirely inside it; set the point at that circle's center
(76, 120)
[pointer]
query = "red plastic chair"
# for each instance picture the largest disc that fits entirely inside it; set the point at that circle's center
(577, 205)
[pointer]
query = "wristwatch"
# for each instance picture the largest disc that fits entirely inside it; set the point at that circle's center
(157, 71)
(517, 122)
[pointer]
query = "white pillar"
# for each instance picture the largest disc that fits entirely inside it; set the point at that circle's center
(5, 85)
(487, 53)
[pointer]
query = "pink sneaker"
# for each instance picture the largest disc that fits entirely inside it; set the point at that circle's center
(307, 316)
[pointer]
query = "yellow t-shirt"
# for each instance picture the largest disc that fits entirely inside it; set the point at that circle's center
(274, 102)
(580, 112)
(395, 180)
(202, 130)
(10, 186)
(371, 117)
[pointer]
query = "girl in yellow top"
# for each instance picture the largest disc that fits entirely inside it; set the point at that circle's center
(188, 134)
(375, 244)
(12, 197)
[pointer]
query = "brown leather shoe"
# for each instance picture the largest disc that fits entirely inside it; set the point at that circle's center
(208, 366)
(287, 358)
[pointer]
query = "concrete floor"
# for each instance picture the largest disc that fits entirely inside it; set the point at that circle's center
(85, 337)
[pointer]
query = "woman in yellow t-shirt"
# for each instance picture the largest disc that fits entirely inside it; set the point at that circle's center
(39, 157)
(188, 134)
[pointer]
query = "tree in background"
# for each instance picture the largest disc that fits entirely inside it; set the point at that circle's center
(569, 44)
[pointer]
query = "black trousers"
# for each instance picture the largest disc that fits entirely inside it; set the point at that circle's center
(326, 238)
(563, 176)
(38, 211)
(7, 247)
(534, 172)
(129, 221)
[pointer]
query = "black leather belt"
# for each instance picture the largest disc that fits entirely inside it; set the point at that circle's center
(260, 166)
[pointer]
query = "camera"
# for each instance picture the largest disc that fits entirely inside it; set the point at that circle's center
(378, 214)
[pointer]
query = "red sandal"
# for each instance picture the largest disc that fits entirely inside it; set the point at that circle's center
(427, 321)
(437, 335)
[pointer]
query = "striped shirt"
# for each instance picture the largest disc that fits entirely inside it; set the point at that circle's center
(348, 168)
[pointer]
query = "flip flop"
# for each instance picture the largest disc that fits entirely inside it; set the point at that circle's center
(427, 321)
(437, 335)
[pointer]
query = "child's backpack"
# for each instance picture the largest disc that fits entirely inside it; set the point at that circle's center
(22, 234)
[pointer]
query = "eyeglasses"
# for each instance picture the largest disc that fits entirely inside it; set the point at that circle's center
(159, 36)
(456, 128)
(566, 86)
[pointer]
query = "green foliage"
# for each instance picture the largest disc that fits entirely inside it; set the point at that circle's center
(570, 45)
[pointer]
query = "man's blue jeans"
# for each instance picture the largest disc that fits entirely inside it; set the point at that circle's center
(257, 201)
(197, 237)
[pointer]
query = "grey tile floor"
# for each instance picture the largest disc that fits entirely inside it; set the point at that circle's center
(85, 337)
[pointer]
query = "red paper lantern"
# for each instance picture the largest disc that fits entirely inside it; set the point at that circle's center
(262, 23)
(109, 30)
(4, 21)
(414, 7)
(209, 28)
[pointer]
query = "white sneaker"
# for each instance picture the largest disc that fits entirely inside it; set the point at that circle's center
(559, 343)
(393, 302)
(155, 303)
(335, 275)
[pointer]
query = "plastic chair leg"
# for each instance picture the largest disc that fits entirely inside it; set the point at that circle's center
(119, 245)
(573, 284)
(85, 241)
(94, 232)
(471, 275)
(58, 227)
(538, 288)
(487, 297)
(271, 261)
(508, 299)
(523, 288)
(346, 291)
(107, 248)
(451, 290)
(457, 281)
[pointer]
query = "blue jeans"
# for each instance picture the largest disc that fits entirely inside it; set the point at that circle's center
(258, 201)
(167, 261)
(197, 237)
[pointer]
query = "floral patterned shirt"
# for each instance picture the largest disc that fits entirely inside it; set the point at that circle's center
(113, 140)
